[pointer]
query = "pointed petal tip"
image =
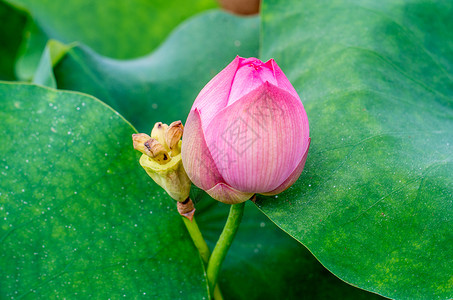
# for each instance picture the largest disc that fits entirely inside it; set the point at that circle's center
(270, 62)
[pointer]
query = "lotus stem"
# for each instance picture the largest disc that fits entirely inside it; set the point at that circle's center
(223, 244)
(203, 249)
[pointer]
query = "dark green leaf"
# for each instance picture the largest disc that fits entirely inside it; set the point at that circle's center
(79, 218)
(12, 26)
(163, 85)
(374, 204)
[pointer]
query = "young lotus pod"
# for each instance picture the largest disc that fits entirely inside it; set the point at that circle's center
(161, 158)
(247, 133)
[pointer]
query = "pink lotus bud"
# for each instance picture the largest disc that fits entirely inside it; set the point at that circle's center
(246, 133)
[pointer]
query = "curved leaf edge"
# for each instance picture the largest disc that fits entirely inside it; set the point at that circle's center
(257, 204)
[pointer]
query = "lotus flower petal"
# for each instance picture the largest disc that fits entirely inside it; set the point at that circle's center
(252, 132)
(293, 177)
(219, 89)
(227, 194)
(261, 139)
(196, 157)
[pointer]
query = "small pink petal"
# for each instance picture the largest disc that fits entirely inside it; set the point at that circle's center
(282, 80)
(226, 194)
(219, 89)
(293, 177)
(259, 140)
(196, 157)
(251, 74)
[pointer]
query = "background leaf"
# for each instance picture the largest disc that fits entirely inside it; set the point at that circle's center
(374, 204)
(120, 30)
(79, 218)
(31, 52)
(163, 85)
(52, 54)
(116, 29)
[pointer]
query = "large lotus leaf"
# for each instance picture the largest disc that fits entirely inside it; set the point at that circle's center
(120, 29)
(266, 263)
(163, 85)
(13, 23)
(374, 203)
(79, 218)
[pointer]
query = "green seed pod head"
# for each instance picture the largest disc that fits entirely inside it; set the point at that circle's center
(161, 158)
